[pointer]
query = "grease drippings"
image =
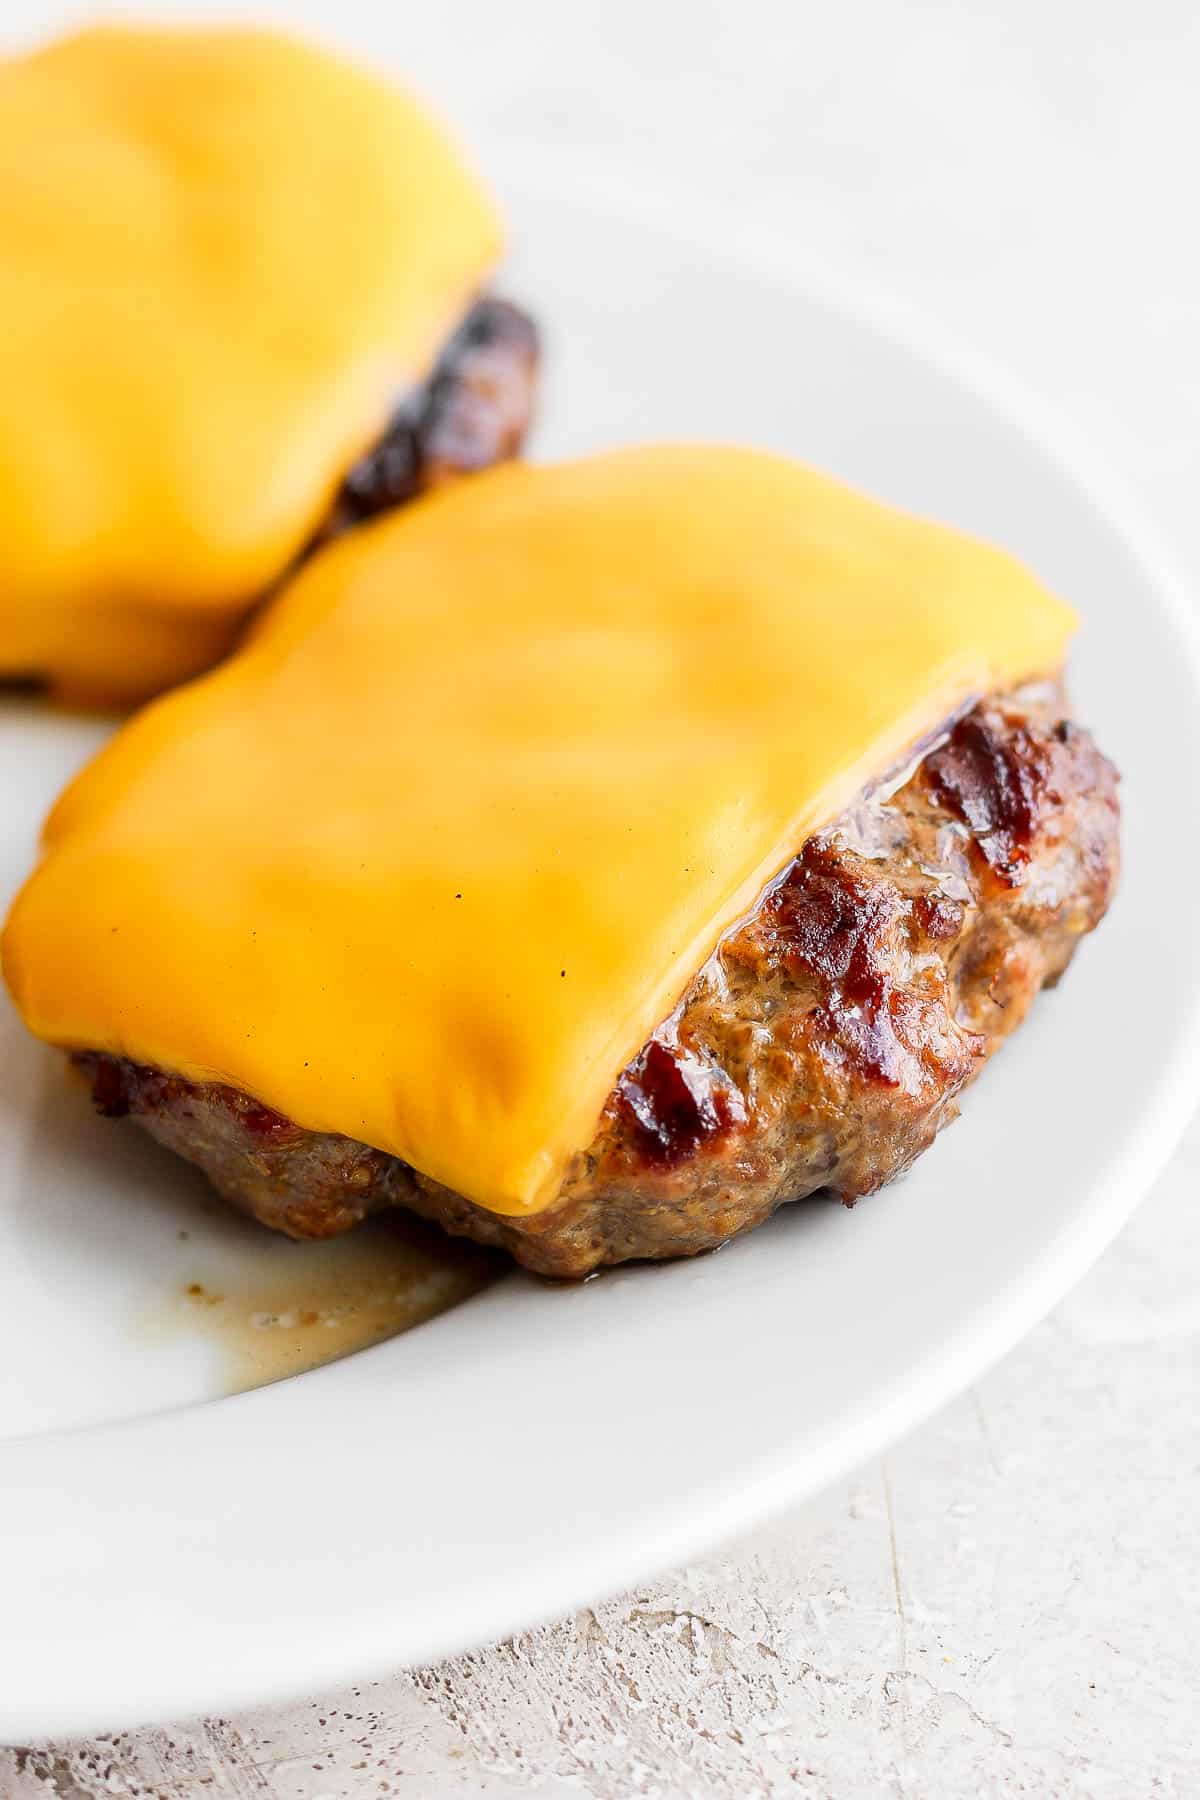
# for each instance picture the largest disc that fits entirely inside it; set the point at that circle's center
(305, 1304)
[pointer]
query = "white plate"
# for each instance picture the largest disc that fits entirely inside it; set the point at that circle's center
(164, 1552)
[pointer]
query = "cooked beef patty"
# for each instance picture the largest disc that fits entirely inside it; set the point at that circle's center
(473, 411)
(821, 1047)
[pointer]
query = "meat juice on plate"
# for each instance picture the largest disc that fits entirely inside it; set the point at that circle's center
(303, 1304)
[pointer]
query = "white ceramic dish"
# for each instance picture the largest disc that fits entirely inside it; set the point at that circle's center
(165, 1552)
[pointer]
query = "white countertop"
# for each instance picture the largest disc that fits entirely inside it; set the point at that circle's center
(1007, 1604)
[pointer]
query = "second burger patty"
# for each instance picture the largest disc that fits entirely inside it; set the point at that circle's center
(821, 1047)
(472, 411)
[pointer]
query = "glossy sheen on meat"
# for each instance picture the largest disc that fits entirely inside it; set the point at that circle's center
(821, 1047)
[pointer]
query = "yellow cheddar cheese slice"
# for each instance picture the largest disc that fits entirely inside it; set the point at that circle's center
(430, 857)
(225, 253)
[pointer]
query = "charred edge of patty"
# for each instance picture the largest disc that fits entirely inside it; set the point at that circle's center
(474, 411)
(821, 1047)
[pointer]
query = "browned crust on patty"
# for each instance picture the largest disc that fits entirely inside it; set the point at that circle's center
(473, 411)
(821, 1047)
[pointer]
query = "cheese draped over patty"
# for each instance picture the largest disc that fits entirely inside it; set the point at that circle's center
(430, 857)
(224, 255)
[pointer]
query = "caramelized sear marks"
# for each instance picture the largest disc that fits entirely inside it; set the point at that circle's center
(993, 779)
(833, 924)
(822, 1046)
(674, 1105)
(868, 947)
(108, 1081)
(938, 916)
(861, 948)
(835, 927)
(121, 1088)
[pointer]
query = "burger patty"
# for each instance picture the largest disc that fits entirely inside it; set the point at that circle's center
(821, 1047)
(473, 411)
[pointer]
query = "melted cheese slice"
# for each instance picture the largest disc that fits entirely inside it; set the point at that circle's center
(224, 254)
(427, 861)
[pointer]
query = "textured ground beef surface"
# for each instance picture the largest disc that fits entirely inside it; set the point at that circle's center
(821, 1047)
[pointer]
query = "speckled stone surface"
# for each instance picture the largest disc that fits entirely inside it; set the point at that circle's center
(1007, 1604)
